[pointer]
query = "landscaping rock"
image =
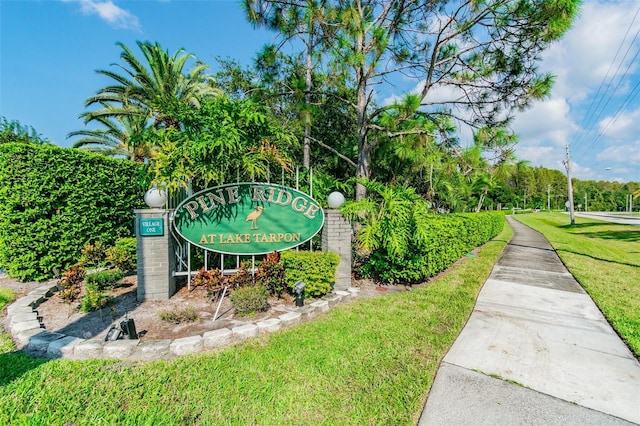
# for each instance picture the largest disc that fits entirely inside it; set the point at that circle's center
(63, 347)
(14, 309)
(343, 294)
(119, 349)
(332, 300)
(217, 338)
(23, 317)
(22, 339)
(19, 327)
(269, 326)
(40, 342)
(32, 300)
(152, 350)
(290, 318)
(246, 331)
(308, 312)
(88, 349)
(321, 305)
(186, 345)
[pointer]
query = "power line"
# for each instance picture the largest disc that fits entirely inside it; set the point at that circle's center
(625, 103)
(602, 83)
(593, 118)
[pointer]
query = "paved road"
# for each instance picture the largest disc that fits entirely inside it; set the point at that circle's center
(535, 351)
(610, 217)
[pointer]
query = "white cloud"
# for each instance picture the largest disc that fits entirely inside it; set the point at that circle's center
(109, 12)
(574, 116)
(546, 122)
(622, 126)
(540, 155)
(585, 56)
(628, 154)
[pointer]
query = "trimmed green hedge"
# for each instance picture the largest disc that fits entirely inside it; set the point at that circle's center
(316, 269)
(445, 239)
(53, 201)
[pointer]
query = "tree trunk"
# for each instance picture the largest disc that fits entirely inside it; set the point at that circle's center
(306, 160)
(480, 201)
(364, 149)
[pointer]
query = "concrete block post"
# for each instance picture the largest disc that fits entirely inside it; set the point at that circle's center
(336, 237)
(156, 260)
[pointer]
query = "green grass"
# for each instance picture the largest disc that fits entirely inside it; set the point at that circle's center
(371, 361)
(6, 297)
(605, 259)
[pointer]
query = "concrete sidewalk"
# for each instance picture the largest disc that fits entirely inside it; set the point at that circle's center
(536, 351)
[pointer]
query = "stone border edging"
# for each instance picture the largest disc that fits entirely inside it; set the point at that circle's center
(27, 330)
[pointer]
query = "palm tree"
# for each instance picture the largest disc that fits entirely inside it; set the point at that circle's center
(120, 137)
(150, 88)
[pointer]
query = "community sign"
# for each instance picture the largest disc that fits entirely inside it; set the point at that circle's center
(248, 218)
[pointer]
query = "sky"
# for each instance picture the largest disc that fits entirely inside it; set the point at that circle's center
(50, 50)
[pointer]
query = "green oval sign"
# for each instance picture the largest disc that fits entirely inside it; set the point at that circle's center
(248, 218)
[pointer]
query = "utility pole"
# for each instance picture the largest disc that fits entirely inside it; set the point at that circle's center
(567, 164)
(585, 202)
(549, 197)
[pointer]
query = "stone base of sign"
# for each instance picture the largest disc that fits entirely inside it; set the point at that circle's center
(156, 260)
(336, 237)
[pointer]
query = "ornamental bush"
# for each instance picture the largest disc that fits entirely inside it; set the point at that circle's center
(123, 254)
(248, 300)
(104, 279)
(54, 201)
(316, 269)
(94, 299)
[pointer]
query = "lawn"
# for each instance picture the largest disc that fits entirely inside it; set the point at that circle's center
(371, 361)
(6, 297)
(605, 259)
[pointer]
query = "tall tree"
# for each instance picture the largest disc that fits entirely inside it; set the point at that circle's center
(475, 61)
(118, 138)
(299, 20)
(146, 88)
(226, 139)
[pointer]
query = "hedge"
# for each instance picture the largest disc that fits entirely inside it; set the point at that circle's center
(316, 269)
(54, 201)
(446, 239)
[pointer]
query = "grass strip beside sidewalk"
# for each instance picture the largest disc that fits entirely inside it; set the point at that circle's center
(605, 259)
(371, 361)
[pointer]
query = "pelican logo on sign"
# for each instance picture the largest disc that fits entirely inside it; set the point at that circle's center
(248, 218)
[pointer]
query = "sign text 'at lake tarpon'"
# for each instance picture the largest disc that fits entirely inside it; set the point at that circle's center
(248, 218)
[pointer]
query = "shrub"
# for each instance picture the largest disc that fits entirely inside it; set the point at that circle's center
(93, 254)
(271, 274)
(242, 277)
(212, 280)
(399, 240)
(179, 316)
(94, 299)
(104, 279)
(70, 283)
(123, 255)
(53, 201)
(250, 299)
(316, 269)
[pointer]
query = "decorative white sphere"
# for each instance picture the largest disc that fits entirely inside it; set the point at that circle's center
(155, 198)
(335, 199)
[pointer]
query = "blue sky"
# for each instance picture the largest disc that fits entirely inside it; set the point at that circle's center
(50, 49)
